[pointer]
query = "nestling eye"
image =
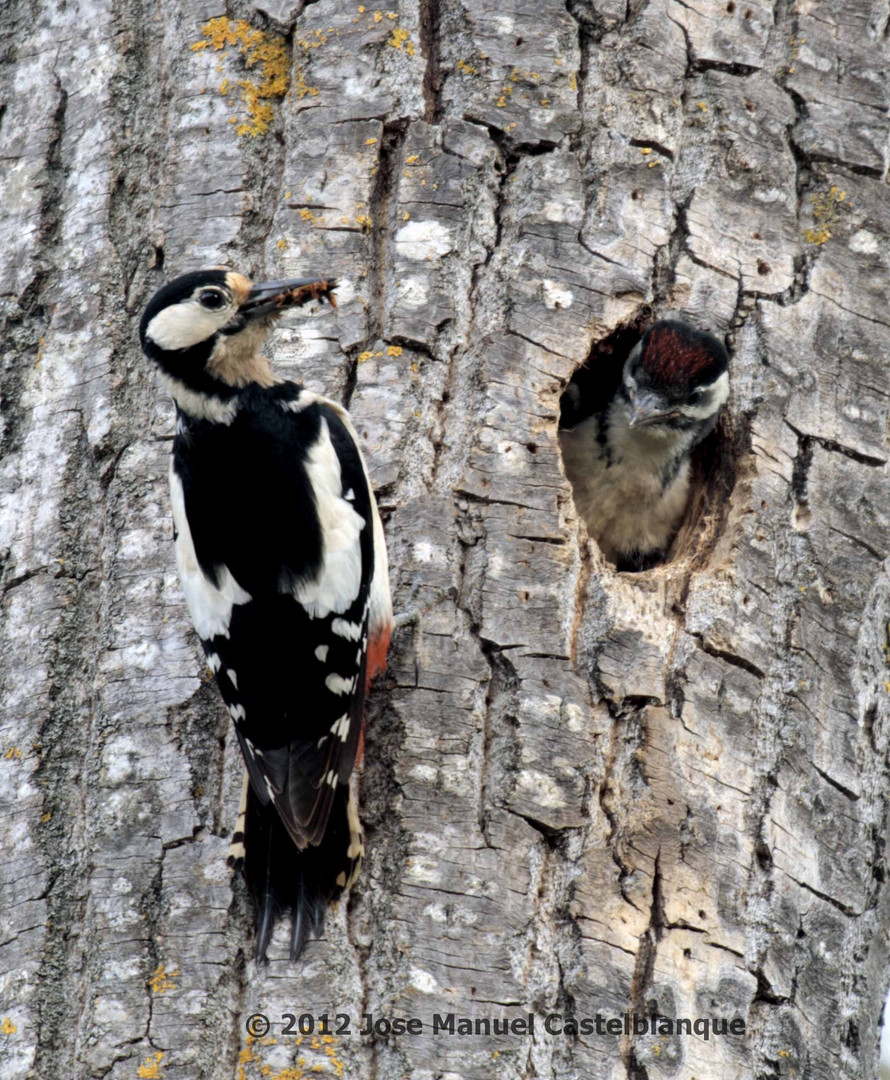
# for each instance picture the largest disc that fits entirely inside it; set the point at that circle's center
(212, 299)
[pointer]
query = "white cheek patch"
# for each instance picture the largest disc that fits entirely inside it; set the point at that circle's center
(714, 397)
(183, 325)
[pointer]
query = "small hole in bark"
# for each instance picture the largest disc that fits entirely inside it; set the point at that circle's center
(712, 467)
(446, 397)
(730, 7)
(748, 13)
(531, 447)
(702, 915)
(519, 41)
(687, 953)
(763, 268)
(635, 195)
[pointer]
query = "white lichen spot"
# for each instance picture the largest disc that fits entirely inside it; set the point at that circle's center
(503, 24)
(864, 242)
(413, 293)
(423, 981)
(425, 552)
(557, 297)
(542, 789)
(419, 240)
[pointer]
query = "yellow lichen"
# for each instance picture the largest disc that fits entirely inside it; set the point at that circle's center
(364, 220)
(370, 142)
(407, 215)
(573, 81)
(282, 244)
(645, 150)
(412, 160)
(702, 106)
(150, 1069)
(826, 214)
(307, 215)
(394, 350)
(44, 818)
(362, 357)
(13, 752)
(466, 69)
(302, 87)
(7, 1027)
(161, 981)
(400, 39)
(265, 52)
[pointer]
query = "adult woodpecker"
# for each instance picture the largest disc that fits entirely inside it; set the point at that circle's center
(629, 462)
(283, 564)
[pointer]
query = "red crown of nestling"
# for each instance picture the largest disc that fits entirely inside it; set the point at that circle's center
(675, 353)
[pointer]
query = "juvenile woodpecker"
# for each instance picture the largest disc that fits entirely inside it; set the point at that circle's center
(629, 462)
(283, 565)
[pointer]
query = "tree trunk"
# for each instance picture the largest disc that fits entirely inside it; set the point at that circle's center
(586, 793)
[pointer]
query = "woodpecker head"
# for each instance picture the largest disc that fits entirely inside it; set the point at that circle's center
(205, 328)
(675, 381)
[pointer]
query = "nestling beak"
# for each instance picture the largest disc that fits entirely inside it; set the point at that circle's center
(273, 297)
(648, 409)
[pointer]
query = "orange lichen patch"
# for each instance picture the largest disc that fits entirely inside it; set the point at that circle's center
(266, 52)
(400, 39)
(826, 214)
(150, 1069)
(302, 86)
(239, 285)
(162, 981)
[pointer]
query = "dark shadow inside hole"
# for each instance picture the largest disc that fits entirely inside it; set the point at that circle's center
(713, 464)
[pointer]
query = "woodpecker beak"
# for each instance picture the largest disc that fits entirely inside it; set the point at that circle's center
(647, 409)
(273, 297)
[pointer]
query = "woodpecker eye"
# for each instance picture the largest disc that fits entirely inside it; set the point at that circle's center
(695, 397)
(211, 299)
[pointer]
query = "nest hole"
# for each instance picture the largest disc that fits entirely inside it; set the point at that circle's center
(713, 472)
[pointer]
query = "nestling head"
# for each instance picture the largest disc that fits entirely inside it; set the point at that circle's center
(675, 380)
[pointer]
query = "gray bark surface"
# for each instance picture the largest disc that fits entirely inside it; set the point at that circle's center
(585, 792)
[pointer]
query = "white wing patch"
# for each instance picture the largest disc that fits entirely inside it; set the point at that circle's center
(340, 576)
(352, 631)
(380, 600)
(321, 653)
(210, 606)
(338, 685)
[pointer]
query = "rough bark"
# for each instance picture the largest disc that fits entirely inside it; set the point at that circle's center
(585, 792)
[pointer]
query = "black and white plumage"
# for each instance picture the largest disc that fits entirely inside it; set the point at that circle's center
(282, 560)
(628, 453)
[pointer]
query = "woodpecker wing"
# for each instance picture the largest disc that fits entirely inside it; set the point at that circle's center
(277, 531)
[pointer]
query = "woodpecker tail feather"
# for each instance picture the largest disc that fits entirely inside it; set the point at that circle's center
(285, 881)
